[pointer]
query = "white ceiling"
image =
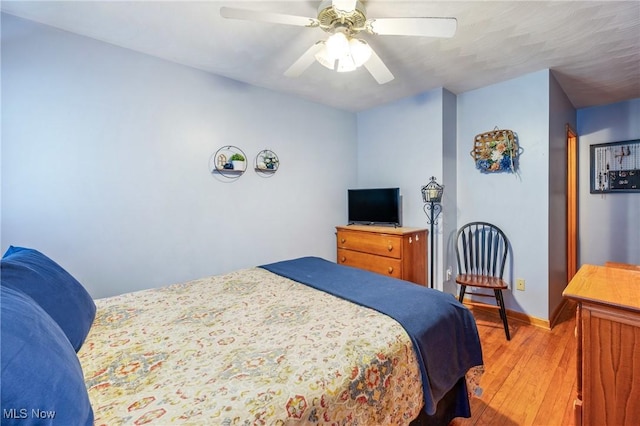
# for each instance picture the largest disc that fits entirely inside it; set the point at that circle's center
(593, 47)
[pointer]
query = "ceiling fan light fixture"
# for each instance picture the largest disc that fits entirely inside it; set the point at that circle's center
(335, 57)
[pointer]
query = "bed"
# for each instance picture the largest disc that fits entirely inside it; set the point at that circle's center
(303, 341)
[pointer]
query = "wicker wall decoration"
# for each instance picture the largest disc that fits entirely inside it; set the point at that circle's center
(496, 151)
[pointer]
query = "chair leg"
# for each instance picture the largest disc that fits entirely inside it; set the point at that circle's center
(462, 290)
(503, 312)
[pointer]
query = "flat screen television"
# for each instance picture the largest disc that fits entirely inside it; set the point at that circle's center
(374, 206)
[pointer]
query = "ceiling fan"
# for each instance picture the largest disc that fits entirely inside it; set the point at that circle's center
(342, 51)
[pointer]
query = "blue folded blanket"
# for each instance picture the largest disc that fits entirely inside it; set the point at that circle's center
(442, 330)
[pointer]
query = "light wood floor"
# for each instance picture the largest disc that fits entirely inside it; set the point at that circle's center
(529, 380)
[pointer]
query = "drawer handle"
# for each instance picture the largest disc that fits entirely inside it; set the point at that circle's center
(391, 269)
(342, 240)
(390, 247)
(343, 259)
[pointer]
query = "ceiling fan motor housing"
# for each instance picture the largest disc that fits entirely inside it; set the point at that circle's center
(332, 19)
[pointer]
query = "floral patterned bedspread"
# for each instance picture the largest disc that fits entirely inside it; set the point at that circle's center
(245, 348)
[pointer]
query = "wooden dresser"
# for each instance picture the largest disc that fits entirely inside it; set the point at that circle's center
(608, 332)
(397, 252)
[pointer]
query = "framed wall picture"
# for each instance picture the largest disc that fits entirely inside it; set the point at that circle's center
(615, 167)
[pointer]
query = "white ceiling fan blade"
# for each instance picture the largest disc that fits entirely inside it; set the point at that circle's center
(378, 69)
(346, 6)
(304, 61)
(274, 18)
(426, 27)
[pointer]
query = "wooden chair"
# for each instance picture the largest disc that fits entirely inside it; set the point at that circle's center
(481, 250)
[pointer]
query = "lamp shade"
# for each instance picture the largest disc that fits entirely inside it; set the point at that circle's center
(337, 46)
(323, 57)
(346, 64)
(343, 54)
(360, 51)
(432, 192)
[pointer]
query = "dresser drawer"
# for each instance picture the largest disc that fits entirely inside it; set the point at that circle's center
(380, 264)
(377, 244)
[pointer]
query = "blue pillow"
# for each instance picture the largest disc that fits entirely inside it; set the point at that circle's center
(42, 381)
(53, 288)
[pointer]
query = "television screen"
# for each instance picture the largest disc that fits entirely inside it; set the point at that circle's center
(374, 206)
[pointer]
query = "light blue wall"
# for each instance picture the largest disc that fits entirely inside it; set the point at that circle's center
(105, 164)
(517, 203)
(400, 144)
(609, 224)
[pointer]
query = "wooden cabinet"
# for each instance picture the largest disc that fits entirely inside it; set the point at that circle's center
(396, 252)
(608, 332)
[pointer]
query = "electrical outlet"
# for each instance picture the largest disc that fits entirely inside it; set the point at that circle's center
(520, 284)
(448, 273)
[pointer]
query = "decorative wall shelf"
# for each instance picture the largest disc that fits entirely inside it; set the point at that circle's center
(225, 162)
(266, 163)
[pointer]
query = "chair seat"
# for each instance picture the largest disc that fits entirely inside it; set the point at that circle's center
(481, 281)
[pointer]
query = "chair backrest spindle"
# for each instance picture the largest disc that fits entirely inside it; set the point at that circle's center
(484, 255)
